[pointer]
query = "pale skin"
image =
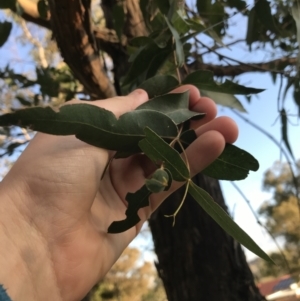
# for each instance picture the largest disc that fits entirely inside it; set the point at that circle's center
(55, 211)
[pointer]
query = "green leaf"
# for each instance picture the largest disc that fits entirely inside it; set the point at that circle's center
(224, 220)
(141, 62)
(233, 164)
(43, 9)
(8, 4)
(159, 84)
(180, 24)
(175, 106)
(284, 131)
(178, 44)
(253, 29)
(158, 182)
(94, 125)
(223, 99)
(118, 19)
(5, 29)
(158, 151)
(137, 200)
(163, 5)
(204, 80)
(263, 11)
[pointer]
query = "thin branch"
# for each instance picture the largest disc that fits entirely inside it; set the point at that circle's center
(263, 226)
(260, 129)
(36, 43)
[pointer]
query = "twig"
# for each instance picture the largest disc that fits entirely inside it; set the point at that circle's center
(263, 226)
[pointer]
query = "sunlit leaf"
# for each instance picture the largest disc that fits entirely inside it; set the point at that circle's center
(137, 200)
(224, 220)
(175, 106)
(233, 164)
(159, 152)
(94, 125)
(159, 84)
(5, 29)
(224, 99)
(204, 79)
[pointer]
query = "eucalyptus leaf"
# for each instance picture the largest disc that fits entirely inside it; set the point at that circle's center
(178, 44)
(158, 182)
(233, 164)
(160, 152)
(118, 19)
(43, 9)
(94, 125)
(204, 79)
(8, 4)
(159, 85)
(224, 220)
(223, 99)
(284, 131)
(5, 29)
(137, 200)
(175, 106)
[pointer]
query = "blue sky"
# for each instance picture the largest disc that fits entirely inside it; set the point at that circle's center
(262, 110)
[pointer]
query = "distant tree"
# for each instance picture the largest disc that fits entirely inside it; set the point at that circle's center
(282, 216)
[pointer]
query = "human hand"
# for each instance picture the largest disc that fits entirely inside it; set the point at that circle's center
(61, 210)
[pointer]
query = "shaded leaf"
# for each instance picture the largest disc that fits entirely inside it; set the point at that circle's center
(118, 19)
(94, 125)
(158, 182)
(284, 131)
(158, 151)
(137, 200)
(223, 99)
(8, 4)
(178, 44)
(159, 84)
(43, 9)
(263, 11)
(175, 106)
(163, 5)
(233, 164)
(5, 29)
(224, 220)
(204, 80)
(23, 101)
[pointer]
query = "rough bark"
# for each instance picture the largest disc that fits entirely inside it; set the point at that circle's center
(71, 27)
(197, 260)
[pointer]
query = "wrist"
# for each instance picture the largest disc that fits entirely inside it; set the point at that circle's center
(26, 270)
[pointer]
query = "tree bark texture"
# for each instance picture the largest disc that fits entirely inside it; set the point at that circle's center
(197, 260)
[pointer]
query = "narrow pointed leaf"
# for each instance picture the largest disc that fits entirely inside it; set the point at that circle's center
(284, 131)
(5, 29)
(224, 220)
(233, 164)
(204, 79)
(159, 85)
(159, 152)
(223, 99)
(94, 125)
(175, 106)
(137, 200)
(178, 44)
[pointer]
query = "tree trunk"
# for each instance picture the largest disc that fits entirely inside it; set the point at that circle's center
(197, 260)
